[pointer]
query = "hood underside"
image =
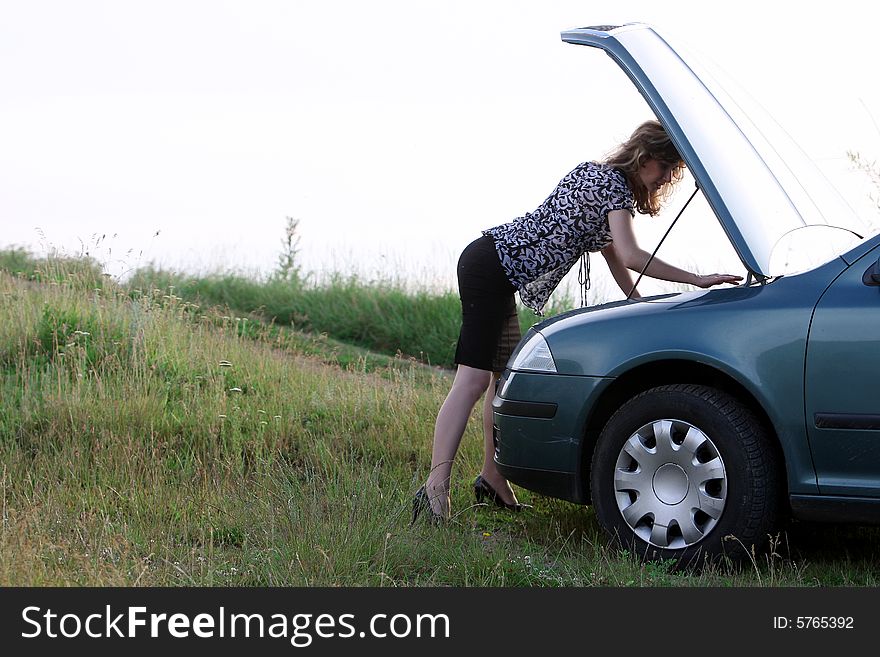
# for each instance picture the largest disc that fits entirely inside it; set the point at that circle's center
(757, 196)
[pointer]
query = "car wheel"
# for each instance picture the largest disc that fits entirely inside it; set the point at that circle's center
(685, 472)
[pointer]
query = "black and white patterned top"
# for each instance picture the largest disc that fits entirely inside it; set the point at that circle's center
(539, 249)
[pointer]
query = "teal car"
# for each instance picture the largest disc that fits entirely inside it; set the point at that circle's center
(695, 423)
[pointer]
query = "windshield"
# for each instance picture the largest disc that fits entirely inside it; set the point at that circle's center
(810, 246)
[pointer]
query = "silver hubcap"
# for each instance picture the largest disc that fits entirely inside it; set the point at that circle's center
(670, 484)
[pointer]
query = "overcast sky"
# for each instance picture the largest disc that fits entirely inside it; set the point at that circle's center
(393, 130)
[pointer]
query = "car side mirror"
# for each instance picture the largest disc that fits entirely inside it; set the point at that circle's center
(872, 274)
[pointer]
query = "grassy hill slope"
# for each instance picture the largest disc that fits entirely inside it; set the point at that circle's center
(147, 441)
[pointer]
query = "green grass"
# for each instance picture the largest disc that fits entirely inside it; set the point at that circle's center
(146, 440)
(363, 319)
(384, 317)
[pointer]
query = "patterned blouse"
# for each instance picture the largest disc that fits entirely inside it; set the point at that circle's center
(539, 249)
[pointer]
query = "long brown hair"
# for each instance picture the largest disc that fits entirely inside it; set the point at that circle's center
(648, 141)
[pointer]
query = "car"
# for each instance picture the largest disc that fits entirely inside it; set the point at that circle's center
(696, 423)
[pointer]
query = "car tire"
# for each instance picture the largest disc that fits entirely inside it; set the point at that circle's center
(686, 472)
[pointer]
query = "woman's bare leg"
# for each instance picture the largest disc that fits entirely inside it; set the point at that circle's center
(467, 387)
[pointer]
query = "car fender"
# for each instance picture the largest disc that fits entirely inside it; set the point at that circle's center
(752, 337)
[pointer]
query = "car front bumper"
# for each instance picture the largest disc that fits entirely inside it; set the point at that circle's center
(539, 421)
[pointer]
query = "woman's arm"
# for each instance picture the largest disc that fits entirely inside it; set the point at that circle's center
(631, 255)
(620, 272)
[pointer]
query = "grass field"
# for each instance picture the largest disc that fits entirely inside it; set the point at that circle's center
(146, 440)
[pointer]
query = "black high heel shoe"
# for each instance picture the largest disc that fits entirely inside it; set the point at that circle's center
(422, 503)
(482, 489)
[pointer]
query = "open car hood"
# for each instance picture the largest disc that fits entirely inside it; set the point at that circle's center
(760, 191)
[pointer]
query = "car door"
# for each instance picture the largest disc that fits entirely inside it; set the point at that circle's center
(842, 386)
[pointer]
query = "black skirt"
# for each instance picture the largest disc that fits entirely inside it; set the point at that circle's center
(489, 323)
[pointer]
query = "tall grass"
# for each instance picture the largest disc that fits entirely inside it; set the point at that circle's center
(382, 316)
(146, 440)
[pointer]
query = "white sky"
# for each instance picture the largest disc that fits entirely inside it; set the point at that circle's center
(394, 130)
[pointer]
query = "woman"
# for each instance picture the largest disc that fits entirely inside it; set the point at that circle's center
(590, 210)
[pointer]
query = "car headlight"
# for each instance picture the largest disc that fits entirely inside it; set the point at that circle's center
(534, 355)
